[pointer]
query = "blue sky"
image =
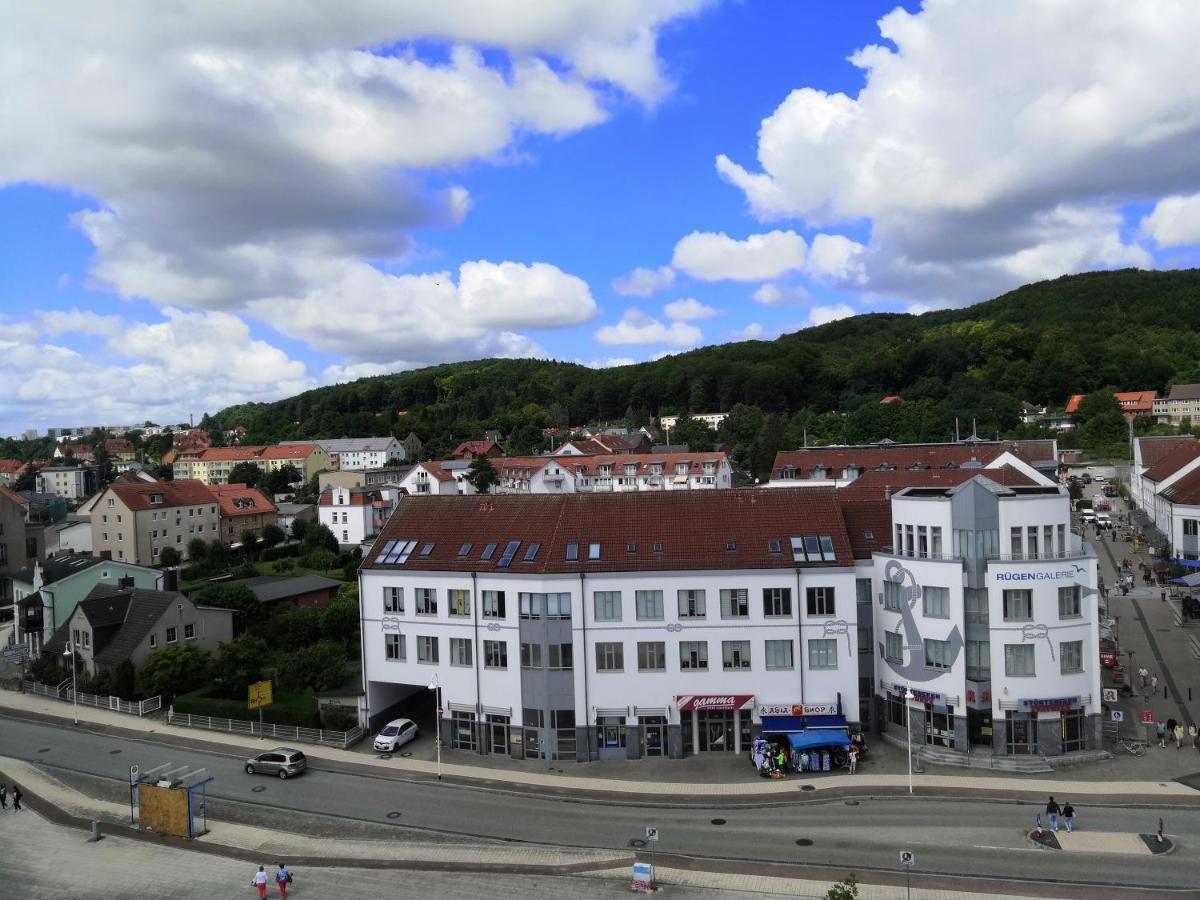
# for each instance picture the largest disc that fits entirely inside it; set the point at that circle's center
(196, 213)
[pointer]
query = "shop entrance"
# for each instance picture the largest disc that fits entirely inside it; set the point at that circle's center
(1020, 735)
(979, 727)
(498, 734)
(654, 731)
(1073, 730)
(939, 726)
(716, 731)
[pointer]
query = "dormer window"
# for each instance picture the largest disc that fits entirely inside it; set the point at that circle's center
(818, 473)
(788, 472)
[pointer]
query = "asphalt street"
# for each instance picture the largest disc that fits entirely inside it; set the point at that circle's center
(977, 838)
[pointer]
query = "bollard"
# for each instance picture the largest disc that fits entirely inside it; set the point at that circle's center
(1159, 836)
(96, 835)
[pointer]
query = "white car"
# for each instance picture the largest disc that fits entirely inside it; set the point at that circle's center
(1087, 516)
(1099, 479)
(396, 734)
(1103, 520)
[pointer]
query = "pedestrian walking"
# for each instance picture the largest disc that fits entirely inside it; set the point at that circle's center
(3, 796)
(1179, 736)
(1068, 812)
(1052, 812)
(1193, 731)
(1154, 682)
(1144, 674)
(1160, 728)
(282, 879)
(853, 756)
(260, 881)
(16, 798)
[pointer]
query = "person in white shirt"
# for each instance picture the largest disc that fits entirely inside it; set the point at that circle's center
(260, 882)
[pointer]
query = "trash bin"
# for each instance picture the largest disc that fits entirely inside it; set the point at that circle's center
(96, 835)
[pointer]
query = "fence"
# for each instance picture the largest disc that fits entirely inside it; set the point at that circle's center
(341, 739)
(64, 693)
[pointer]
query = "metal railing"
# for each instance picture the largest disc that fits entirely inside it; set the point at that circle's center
(340, 739)
(112, 703)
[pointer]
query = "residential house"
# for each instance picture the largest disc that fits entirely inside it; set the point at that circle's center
(78, 452)
(45, 593)
(13, 547)
(354, 514)
(120, 449)
(114, 625)
(412, 446)
(1183, 402)
(358, 454)
(134, 522)
(72, 483)
(308, 591)
(10, 471)
(242, 509)
(1159, 488)
(468, 450)
(188, 439)
(1132, 403)
(1149, 452)
(287, 513)
(712, 420)
(433, 477)
(213, 465)
(363, 478)
(70, 535)
(604, 444)
(308, 458)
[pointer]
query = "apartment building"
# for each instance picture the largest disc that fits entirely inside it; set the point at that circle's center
(354, 514)
(72, 483)
(1182, 402)
(134, 522)
(242, 509)
(358, 454)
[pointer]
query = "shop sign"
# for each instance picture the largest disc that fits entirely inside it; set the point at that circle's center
(918, 695)
(713, 702)
(797, 709)
(1108, 659)
(1052, 704)
(1053, 575)
(643, 877)
(984, 696)
(1147, 717)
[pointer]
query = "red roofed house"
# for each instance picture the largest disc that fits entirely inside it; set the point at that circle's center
(119, 448)
(1158, 465)
(10, 470)
(470, 449)
(134, 522)
(1073, 404)
(81, 452)
(192, 439)
(308, 458)
(242, 509)
(354, 514)
(892, 398)
(1136, 403)
(433, 477)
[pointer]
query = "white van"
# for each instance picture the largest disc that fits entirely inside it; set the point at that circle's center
(1103, 520)
(1087, 516)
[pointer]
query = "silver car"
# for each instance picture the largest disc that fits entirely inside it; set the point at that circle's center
(282, 761)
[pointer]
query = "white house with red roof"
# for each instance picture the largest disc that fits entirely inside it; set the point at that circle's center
(468, 450)
(433, 478)
(355, 514)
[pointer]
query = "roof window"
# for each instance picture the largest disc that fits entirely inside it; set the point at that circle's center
(594, 550)
(572, 550)
(464, 550)
(658, 546)
(506, 558)
(395, 553)
(427, 549)
(488, 551)
(631, 548)
(773, 545)
(731, 545)
(532, 551)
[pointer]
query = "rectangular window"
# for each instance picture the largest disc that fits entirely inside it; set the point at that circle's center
(691, 605)
(1031, 541)
(458, 602)
(862, 591)
(893, 646)
(531, 656)
(893, 595)
(735, 655)
(610, 657)
(777, 601)
(819, 601)
(652, 656)
(975, 605)
(533, 606)
(936, 602)
(558, 606)
(393, 599)
(87, 640)
(427, 649)
(189, 631)
(693, 655)
(735, 603)
(1048, 542)
(153, 637)
(572, 551)
(426, 601)
(935, 541)
(922, 541)
(460, 651)
(1070, 602)
(493, 604)
(979, 661)
(1016, 547)
(561, 656)
(172, 634)
(1018, 605)
(779, 654)
(822, 653)
(1063, 549)
(1190, 527)
(594, 551)
(393, 645)
(608, 606)
(1070, 653)
(1018, 660)
(649, 605)
(937, 654)
(495, 654)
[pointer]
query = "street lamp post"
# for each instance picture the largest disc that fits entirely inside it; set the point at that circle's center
(70, 651)
(909, 696)
(437, 721)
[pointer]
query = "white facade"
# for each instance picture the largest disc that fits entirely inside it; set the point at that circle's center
(841, 476)
(69, 482)
(623, 472)
(712, 420)
(347, 515)
(439, 478)
(346, 454)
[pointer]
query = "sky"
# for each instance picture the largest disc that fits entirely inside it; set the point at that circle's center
(203, 205)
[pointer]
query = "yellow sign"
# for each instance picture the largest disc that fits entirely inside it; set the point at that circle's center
(260, 694)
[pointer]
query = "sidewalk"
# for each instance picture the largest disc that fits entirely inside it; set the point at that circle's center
(1128, 779)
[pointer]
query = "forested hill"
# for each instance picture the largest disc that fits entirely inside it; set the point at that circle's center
(1077, 334)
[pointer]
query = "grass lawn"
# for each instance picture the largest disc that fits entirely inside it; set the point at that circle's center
(267, 568)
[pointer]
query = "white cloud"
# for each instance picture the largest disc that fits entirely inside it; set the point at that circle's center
(974, 133)
(772, 294)
(688, 309)
(820, 315)
(636, 327)
(644, 282)
(836, 257)
(1174, 221)
(716, 256)
(611, 362)
(751, 332)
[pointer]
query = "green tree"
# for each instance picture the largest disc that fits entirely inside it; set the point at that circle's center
(246, 473)
(481, 474)
(197, 551)
(249, 539)
(124, 680)
(321, 666)
(280, 481)
(169, 557)
(175, 670)
(218, 557)
(319, 537)
(322, 559)
(300, 528)
(247, 611)
(846, 889)
(696, 434)
(301, 624)
(27, 480)
(239, 664)
(340, 620)
(272, 535)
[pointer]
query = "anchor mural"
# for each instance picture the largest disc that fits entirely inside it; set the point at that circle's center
(914, 670)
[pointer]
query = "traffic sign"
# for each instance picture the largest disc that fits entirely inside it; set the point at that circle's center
(1147, 717)
(260, 695)
(1118, 716)
(907, 858)
(17, 653)
(652, 832)
(1109, 695)
(133, 774)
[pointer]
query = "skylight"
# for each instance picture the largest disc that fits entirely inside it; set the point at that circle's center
(813, 548)
(658, 546)
(531, 551)
(387, 548)
(488, 551)
(572, 550)
(773, 545)
(506, 558)
(427, 549)
(396, 553)
(594, 550)
(464, 550)
(631, 548)
(731, 545)
(827, 554)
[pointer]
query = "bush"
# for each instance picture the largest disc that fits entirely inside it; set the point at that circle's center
(272, 535)
(169, 557)
(340, 620)
(299, 528)
(338, 718)
(296, 626)
(299, 710)
(273, 553)
(283, 565)
(350, 570)
(321, 667)
(240, 664)
(175, 670)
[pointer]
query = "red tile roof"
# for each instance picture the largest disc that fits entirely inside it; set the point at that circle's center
(1136, 401)
(290, 451)
(6, 491)
(877, 485)
(475, 448)
(1185, 491)
(892, 398)
(235, 454)
(232, 499)
(357, 498)
(184, 492)
(1172, 462)
(1154, 449)
(435, 470)
(1073, 403)
(693, 529)
(11, 466)
(870, 456)
(118, 445)
(868, 524)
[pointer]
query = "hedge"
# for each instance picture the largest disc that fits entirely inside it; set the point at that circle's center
(281, 552)
(288, 709)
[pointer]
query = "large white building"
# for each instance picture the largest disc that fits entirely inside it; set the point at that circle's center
(356, 454)
(1164, 481)
(568, 474)
(588, 626)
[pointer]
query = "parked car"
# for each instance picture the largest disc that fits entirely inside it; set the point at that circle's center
(1099, 479)
(395, 734)
(282, 761)
(1087, 515)
(1087, 479)
(1103, 520)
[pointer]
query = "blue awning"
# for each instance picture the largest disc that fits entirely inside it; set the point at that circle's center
(1185, 563)
(821, 737)
(1189, 580)
(826, 721)
(781, 724)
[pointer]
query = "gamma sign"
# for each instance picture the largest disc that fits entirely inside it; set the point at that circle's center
(260, 694)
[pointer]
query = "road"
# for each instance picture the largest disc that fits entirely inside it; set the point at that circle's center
(978, 838)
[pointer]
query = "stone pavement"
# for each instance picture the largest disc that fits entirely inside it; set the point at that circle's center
(1128, 778)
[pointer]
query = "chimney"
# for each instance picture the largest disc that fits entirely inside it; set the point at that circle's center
(887, 492)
